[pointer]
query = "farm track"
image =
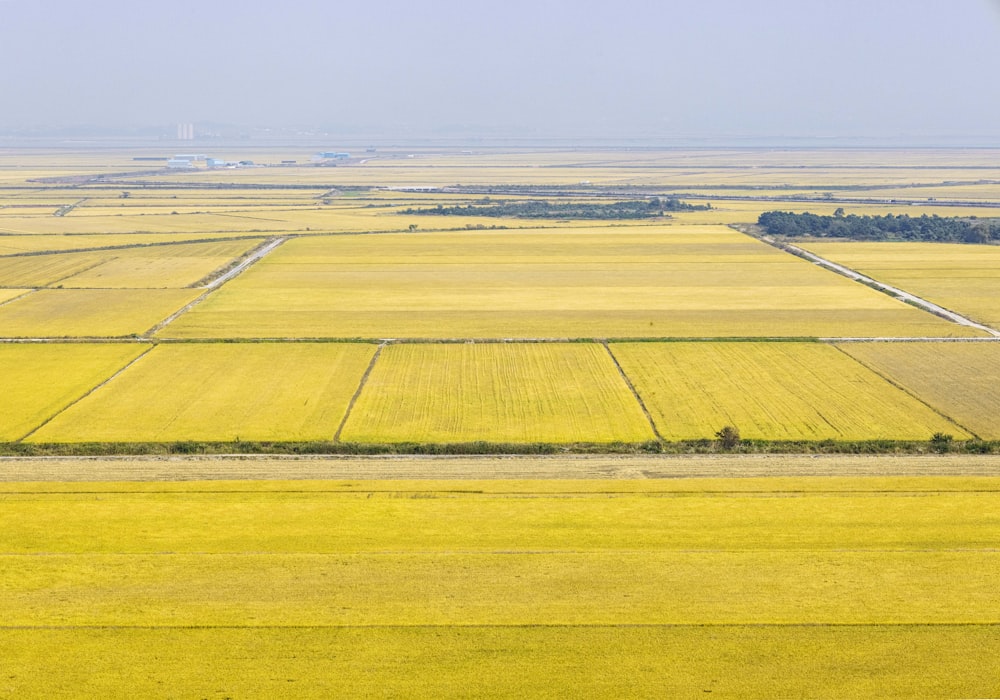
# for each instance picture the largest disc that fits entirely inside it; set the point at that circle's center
(244, 467)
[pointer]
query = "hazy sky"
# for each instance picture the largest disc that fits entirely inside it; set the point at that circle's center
(880, 68)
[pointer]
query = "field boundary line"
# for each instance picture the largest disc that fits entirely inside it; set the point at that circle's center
(81, 398)
(214, 285)
(509, 625)
(124, 246)
(361, 387)
(631, 387)
(20, 296)
(906, 391)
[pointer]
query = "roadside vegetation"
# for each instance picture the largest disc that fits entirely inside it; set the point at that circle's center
(890, 227)
(541, 209)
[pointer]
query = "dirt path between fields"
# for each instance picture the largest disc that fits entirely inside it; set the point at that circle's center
(26, 469)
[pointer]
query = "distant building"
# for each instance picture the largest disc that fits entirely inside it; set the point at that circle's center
(331, 155)
(179, 163)
(185, 132)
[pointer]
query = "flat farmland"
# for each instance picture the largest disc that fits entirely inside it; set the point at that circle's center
(961, 380)
(771, 587)
(773, 391)
(147, 266)
(8, 294)
(645, 281)
(220, 392)
(161, 266)
(958, 276)
(90, 313)
(547, 392)
(38, 381)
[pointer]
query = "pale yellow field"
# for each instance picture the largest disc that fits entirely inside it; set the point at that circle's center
(11, 245)
(794, 588)
(647, 281)
(158, 267)
(958, 276)
(38, 381)
(959, 379)
(557, 393)
(8, 294)
(42, 270)
(220, 392)
(90, 313)
(773, 391)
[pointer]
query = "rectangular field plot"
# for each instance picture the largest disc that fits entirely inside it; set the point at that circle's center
(962, 380)
(630, 281)
(90, 313)
(780, 588)
(158, 267)
(958, 276)
(42, 270)
(772, 391)
(556, 393)
(221, 392)
(8, 294)
(38, 380)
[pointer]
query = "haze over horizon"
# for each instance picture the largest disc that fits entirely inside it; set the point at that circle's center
(878, 69)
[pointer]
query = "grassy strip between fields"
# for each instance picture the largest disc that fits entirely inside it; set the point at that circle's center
(703, 446)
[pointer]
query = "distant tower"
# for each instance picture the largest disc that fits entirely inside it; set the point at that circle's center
(185, 132)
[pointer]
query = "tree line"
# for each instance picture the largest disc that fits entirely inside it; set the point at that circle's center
(541, 209)
(890, 227)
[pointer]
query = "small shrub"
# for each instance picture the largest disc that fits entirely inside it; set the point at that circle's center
(941, 442)
(729, 437)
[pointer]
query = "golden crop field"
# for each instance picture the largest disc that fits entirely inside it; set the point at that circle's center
(39, 380)
(13, 293)
(220, 392)
(42, 270)
(90, 313)
(644, 281)
(774, 391)
(547, 392)
(962, 380)
(958, 276)
(162, 266)
(13, 244)
(809, 587)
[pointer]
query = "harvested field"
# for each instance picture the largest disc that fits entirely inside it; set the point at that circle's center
(774, 391)
(555, 393)
(220, 392)
(670, 472)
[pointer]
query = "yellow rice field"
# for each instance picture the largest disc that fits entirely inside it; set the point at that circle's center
(960, 380)
(220, 392)
(958, 276)
(644, 281)
(556, 393)
(38, 381)
(774, 391)
(90, 313)
(811, 587)
(8, 294)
